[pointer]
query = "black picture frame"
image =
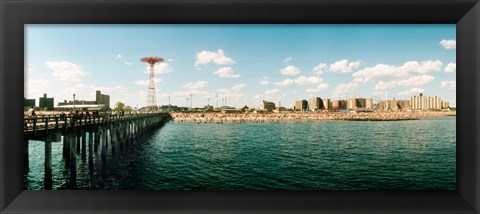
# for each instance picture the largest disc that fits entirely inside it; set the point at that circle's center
(14, 14)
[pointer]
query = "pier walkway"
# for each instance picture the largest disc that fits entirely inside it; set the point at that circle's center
(114, 131)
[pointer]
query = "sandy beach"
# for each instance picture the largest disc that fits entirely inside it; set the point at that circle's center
(302, 117)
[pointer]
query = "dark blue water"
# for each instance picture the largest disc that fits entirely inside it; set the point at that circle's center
(333, 155)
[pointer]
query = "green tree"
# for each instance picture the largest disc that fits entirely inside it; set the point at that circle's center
(128, 109)
(119, 106)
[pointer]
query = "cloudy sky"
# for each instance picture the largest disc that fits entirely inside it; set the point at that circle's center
(244, 63)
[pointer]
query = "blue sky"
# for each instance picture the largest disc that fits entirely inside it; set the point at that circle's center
(244, 63)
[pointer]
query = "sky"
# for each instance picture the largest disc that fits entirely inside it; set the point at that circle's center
(243, 63)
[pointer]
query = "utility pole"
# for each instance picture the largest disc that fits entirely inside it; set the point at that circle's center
(73, 102)
(386, 99)
(191, 101)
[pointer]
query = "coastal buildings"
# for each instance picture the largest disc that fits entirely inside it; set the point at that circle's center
(46, 102)
(316, 104)
(359, 103)
(269, 106)
(27, 103)
(395, 105)
(338, 105)
(422, 102)
(102, 101)
(327, 104)
(301, 105)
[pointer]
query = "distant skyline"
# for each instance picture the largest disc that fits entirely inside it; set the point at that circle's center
(245, 63)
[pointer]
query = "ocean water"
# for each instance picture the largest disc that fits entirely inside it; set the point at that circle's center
(331, 155)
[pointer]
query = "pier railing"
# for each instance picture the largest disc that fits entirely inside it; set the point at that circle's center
(42, 125)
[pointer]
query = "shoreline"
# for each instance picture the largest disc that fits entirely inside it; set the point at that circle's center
(213, 117)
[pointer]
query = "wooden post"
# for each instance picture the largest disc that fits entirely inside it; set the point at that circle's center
(90, 155)
(26, 163)
(113, 138)
(84, 144)
(66, 144)
(104, 144)
(120, 141)
(64, 149)
(90, 145)
(73, 164)
(48, 166)
(77, 137)
(96, 135)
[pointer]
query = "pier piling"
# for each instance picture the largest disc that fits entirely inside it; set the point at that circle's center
(73, 160)
(48, 166)
(84, 143)
(26, 162)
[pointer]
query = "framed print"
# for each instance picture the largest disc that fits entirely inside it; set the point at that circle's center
(240, 106)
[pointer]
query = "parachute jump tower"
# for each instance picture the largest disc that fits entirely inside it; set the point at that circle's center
(151, 99)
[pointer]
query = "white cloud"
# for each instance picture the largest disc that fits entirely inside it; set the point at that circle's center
(233, 92)
(382, 72)
(449, 44)
(219, 58)
(195, 85)
(343, 66)
(127, 63)
(238, 87)
(290, 70)
(160, 68)
(419, 80)
(320, 68)
(303, 80)
(184, 94)
(343, 89)
(285, 82)
(451, 85)
(412, 91)
(226, 72)
(146, 82)
(170, 60)
(264, 80)
(320, 87)
(451, 67)
(273, 91)
(64, 70)
(287, 60)
(119, 56)
(36, 87)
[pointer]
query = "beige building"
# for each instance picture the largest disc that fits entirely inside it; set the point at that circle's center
(316, 104)
(327, 104)
(354, 103)
(269, 106)
(301, 105)
(338, 104)
(425, 103)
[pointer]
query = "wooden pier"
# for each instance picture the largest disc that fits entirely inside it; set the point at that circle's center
(114, 131)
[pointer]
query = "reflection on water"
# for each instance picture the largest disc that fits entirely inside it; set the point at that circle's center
(333, 155)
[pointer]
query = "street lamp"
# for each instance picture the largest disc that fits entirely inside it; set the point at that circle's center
(73, 102)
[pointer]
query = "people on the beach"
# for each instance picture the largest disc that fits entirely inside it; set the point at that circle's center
(217, 117)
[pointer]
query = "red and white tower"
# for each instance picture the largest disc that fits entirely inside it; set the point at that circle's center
(151, 98)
